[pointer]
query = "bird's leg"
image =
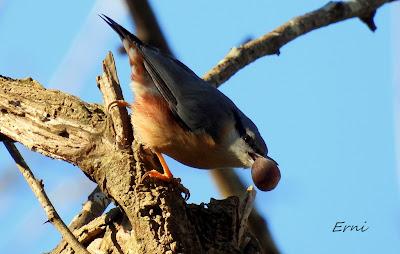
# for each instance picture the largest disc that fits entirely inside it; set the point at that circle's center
(119, 103)
(166, 176)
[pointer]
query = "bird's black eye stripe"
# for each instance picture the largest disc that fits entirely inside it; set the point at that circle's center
(247, 139)
(242, 133)
(250, 141)
(238, 124)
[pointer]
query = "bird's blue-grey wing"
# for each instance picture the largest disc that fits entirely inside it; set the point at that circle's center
(195, 104)
(198, 105)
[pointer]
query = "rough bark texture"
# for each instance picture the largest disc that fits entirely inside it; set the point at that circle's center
(155, 217)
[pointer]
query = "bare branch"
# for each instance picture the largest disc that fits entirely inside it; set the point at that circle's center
(94, 207)
(147, 27)
(108, 84)
(270, 43)
(94, 229)
(38, 190)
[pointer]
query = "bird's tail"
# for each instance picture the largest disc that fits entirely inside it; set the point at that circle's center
(132, 45)
(121, 31)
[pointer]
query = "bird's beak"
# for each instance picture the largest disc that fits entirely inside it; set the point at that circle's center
(254, 156)
(269, 158)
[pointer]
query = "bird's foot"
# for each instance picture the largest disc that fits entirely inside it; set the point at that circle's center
(155, 174)
(167, 178)
(118, 103)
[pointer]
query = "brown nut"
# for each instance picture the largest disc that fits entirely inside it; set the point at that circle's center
(265, 174)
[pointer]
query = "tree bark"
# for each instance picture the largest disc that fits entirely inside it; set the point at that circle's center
(155, 217)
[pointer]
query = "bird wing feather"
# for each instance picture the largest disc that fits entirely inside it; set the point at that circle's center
(197, 104)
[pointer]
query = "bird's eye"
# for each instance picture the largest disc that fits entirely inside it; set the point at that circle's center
(247, 138)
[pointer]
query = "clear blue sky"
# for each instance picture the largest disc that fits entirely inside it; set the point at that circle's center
(326, 108)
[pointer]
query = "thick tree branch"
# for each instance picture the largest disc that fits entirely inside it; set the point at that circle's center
(270, 43)
(53, 123)
(160, 221)
(38, 190)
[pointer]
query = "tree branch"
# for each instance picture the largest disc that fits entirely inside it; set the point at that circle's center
(38, 190)
(159, 218)
(108, 84)
(147, 27)
(90, 233)
(270, 43)
(53, 123)
(94, 207)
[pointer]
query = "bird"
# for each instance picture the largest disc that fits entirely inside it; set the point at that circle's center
(178, 114)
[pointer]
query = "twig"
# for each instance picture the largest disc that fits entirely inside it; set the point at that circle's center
(94, 207)
(270, 43)
(38, 190)
(91, 230)
(108, 83)
(244, 213)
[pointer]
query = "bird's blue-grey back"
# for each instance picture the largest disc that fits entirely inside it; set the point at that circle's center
(197, 103)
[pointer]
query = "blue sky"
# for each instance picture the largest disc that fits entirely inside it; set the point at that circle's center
(327, 108)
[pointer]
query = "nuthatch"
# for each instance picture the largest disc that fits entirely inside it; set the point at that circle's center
(178, 114)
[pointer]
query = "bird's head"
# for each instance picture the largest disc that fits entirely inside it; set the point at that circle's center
(247, 143)
(250, 148)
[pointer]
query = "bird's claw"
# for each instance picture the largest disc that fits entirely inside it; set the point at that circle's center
(184, 190)
(165, 178)
(119, 103)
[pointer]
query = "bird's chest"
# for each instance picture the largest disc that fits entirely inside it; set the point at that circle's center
(152, 121)
(156, 128)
